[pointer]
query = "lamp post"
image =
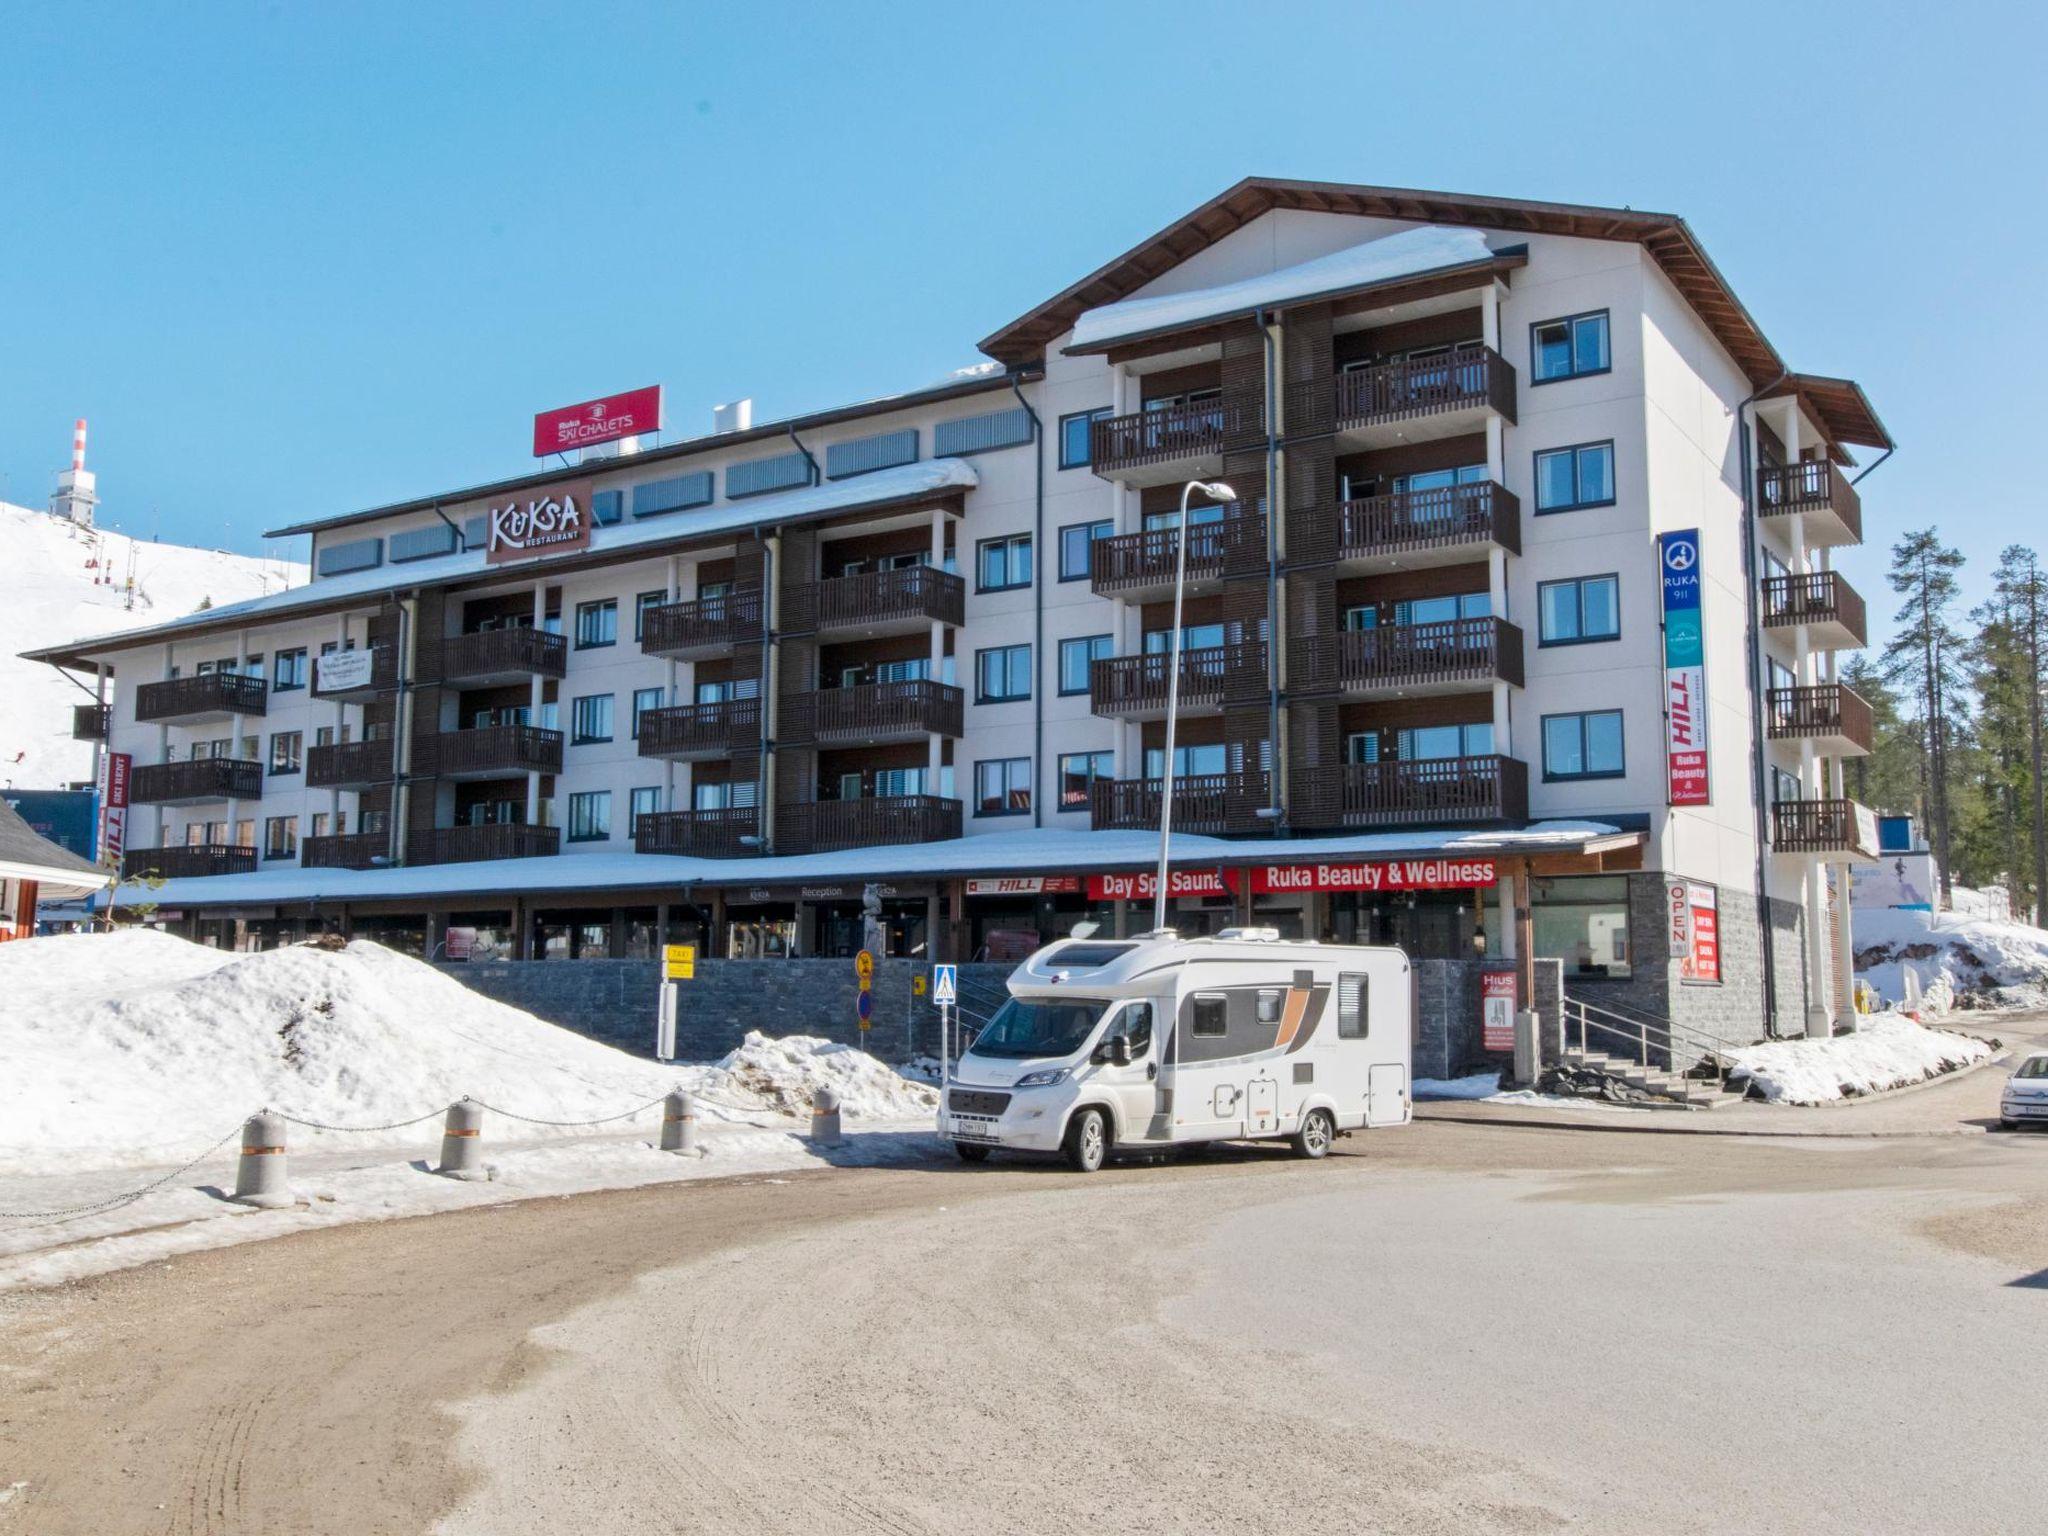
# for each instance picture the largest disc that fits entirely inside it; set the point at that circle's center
(1215, 490)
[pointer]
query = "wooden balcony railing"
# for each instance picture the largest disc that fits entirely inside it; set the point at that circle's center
(1445, 517)
(188, 861)
(1819, 709)
(204, 695)
(686, 731)
(1814, 597)
(1177, 432)
(1823, 826)
(383, 676)
(487, 750)
(876, 712)
(1208, 803)
(347, 765)
(1407, 657)
(1415, 791)
(820, 826)
(716, 834)
(1138, 684)
(1813, 486)
(345, 850)
(1424, 386)
(194, 780)
(89, 721)
(1145, 560)
(499, 653)
(703, 626)
(916, 595)
(492, 840)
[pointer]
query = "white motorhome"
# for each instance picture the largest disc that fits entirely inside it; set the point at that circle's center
(1109, 1045)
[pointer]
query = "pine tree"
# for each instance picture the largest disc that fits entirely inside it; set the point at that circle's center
(1927, 659)
(1888, 779)
(2006, 663)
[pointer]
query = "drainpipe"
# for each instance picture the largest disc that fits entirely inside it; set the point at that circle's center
(764, 787)
(401, 728)
(1273, 640)
(817, 476)
(461, 540)
(1037, 606)
(1759, 783)
(1872, 468)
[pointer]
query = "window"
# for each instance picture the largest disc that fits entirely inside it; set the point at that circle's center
(288, 670)
(590, 718)
(1583, 921)
(281, 837)
(1785, 786)
(1002, 674)
(287, 750)
(1077, 548)
(1193, 637)
(590, 816)
(1136, 1024)
(645, 699)
(641, 605)
(645, 802)
(597, 624)
(1354, 1018)
(607, 507)
(1211, 1012)
(1079, 770)
(1575, 612)
(722, 797)
(1570, 478)
(1188, 762)
(1569, 348)
(1077, 656)
(1002, 786)
(1074, 450)
(1002, 565)
(1586, 746)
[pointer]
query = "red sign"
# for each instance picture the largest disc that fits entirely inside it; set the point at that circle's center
(1389, 875)
(1145, 887)
(1026, 885)
(597, 421)
(1497, 1010)
(556, 522)
(1686, 730)
(1700, 959)
(114, 810)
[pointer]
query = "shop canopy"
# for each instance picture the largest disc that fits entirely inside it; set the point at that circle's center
(57, 873)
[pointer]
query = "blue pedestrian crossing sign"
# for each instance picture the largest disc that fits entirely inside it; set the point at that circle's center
(945, 983)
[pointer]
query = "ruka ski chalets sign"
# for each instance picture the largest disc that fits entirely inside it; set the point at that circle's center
(1685, 669)
(553, 522)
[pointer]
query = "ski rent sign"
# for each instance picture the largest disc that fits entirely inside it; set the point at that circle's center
(1685, 669)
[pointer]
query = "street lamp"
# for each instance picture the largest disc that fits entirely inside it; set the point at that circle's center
(1215, 490)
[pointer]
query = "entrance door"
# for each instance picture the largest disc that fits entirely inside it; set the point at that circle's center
(1386, 1098)
(1136, 1087)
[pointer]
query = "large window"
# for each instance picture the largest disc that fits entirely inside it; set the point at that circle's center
(1077, 656)
(288, 670)
(1002, 786)
(1002, 674)
(281, 837)
(1001, 565)
(645, 802)
(1583, 921)
(1077, 548)
(597, 624)
(590, 816)
(1193, 637)
(1188, 762)
(645, 699)
(1583, 746)
(590, 718)
(1079, 771)
(287, 751)
(1570, 478)
(1074, 430)
(1577, 611)
(1569, 348)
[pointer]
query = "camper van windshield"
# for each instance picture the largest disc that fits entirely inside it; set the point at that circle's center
(1039, 1027)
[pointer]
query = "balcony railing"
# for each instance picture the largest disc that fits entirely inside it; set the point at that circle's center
(1137, 685)
(912, 597)
(1816, 599)
(1820, 710)
(1412, 658)
(89, 721)
(1817, 489)
(820, 826)
(491, 653)
(203, 696)
(488, 750)
(1206, 803)
(1823, 826)
(345, 850)
(898, 711)
(702, 626)
(492, 840)
(1425, 386)
(718, 834)
(1131, 564)
(1412, 792)
(347, 765)
(382, 677)
(1175, 432)
(686, 732)
(188, 861)
(1446, 517)
(194, 780)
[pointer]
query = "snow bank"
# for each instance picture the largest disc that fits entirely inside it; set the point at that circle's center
(1889, 1051)
(1983, 961)
(789, 1072)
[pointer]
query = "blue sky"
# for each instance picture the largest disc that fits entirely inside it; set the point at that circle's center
(293, 261)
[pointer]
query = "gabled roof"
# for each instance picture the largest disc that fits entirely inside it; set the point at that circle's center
(1839, 405)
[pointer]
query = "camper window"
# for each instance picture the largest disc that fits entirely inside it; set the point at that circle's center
(1271, 1000)
(1351, 1010)
(1212, 1014)
(1026, 1027)
(1136, 1025)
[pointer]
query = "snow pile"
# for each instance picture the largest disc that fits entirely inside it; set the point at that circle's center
(58, 589)
(1485, 1087)
(787, 1073)
(1982, 961)
(1889, 1051)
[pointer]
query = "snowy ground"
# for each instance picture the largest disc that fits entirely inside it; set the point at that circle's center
(1983, 961)
(1888, 1051)
(1485, 1088)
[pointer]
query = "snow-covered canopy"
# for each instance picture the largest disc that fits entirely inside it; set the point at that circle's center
(1411, 253)
(25, 854)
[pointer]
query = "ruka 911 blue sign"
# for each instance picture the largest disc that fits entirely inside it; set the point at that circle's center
(1685, 668)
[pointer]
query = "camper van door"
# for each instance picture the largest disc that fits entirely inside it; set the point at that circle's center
(1134, 1087)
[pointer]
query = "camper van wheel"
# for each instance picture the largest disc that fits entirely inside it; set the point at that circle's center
(971, 1151)
(1313, 1139)
(1087, 1141)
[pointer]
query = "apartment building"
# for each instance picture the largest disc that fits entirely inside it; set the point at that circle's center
(1486, 457)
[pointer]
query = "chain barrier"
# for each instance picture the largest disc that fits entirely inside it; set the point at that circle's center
(395, 1125)
(115, 1202)
(640, 1109)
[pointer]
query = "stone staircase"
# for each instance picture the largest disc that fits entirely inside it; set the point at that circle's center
(1674, 1088)
(1622, 1048)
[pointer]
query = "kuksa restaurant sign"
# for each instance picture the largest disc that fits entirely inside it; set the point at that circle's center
(555, 522)
(597, 421)
(1281, 879)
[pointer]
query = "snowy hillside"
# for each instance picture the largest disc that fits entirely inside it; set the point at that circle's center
(64, 583)
(1983, 961)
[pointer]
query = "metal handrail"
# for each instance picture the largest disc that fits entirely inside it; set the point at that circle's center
(1643, 1032)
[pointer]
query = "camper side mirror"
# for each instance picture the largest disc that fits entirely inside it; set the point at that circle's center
(1120, 1051)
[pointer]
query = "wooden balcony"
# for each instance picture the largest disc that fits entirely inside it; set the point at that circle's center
(1409, 401)
(1829, 608)
(201, 697)
(1820, 493)
(1447, 791)
(1837, 830)
(821, 826)
(188, 861)
(497, 656)
(716, 834)
(383, 676)
(1179, 443)
(89, 721)
(689, 733)
(1135, 687)
(195, 781)
(489, 752)
(347, 765)
(1139, 567)
(1409, 660)
(1211, 804)
(492, 840)
(873, 713)
(1835, 719)
(1409, 530)
(346, 850)
(701, 628)
(877, 603)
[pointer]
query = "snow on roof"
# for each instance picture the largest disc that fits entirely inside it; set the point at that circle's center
(1410, 253)
(25, 854)
(903, 483)
(1043, 851)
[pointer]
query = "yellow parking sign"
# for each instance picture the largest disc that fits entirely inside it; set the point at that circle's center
(917, 986)
(679, 962)
(864, 968)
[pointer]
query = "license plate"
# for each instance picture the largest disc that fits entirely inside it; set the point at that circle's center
(972, 1129)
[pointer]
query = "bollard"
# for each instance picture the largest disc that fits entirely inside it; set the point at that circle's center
(260, 1175)
(825, 1115)
(461, 1141)
(679, 1124)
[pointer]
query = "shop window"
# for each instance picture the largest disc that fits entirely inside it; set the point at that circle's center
(1583, 921)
